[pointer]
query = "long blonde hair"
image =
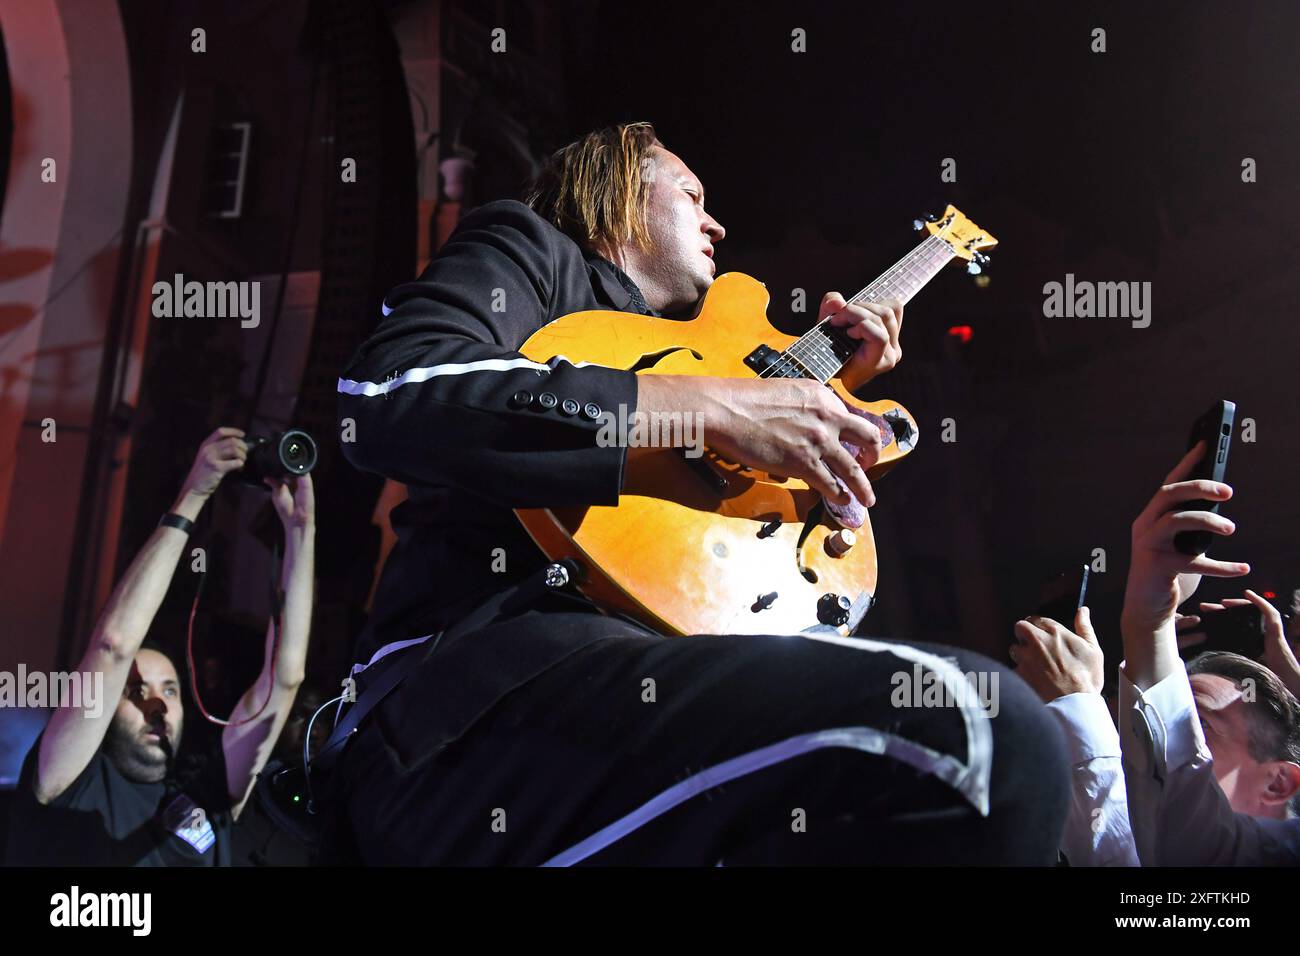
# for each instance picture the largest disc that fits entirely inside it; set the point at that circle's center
(595, 189)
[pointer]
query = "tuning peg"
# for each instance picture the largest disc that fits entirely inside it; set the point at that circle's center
(973, 268)
(918, 225)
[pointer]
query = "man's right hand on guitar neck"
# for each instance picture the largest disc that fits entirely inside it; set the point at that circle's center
(785, 426)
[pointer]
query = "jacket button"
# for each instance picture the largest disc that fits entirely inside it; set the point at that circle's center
(569, 407)
(547, 400)
(522, 398)
(591, 411)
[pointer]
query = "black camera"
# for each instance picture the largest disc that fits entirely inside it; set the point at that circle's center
(291, 453)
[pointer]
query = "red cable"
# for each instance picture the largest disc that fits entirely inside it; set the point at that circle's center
(194, 681)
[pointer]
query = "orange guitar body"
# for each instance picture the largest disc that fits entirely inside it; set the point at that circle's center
(693, 544)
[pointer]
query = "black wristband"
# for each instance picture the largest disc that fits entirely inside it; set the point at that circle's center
(173, 520)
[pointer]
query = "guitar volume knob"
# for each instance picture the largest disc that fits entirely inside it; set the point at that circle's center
(839, 543)
(833, 609)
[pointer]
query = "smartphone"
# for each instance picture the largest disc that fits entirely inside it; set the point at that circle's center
(1238, 629)
(1065, 594)
(1215, 429)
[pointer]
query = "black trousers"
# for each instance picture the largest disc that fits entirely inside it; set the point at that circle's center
(636, 749)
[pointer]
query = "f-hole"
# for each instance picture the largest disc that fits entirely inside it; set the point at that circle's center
(651, 359)
(815, 515)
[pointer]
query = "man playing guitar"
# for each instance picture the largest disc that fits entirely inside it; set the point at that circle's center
(560, 734)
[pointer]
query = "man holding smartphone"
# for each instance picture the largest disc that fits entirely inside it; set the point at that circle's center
(1177, 732)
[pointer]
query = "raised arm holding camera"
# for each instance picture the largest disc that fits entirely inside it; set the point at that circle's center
(102, 788)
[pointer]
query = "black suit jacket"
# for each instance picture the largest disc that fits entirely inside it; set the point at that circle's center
(439, 398)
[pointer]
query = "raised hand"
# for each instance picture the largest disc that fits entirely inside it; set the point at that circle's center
(221, 453)
(1056, 661)
(294, 499)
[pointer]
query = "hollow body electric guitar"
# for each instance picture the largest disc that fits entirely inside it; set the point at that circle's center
(700, 545)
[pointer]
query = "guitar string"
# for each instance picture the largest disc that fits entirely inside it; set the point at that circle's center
(805, 347)
(881, 284)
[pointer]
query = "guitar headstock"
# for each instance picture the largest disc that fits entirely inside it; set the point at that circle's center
(967, 239)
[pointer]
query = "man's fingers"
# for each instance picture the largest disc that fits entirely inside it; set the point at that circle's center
(1191, 639)
(1226, 603)
(856, 430)
(1271, 614)
(1169, 524)
(1046, 624)
(894, 323)
(231, 448)
(865, 328)
(821, 479)
(1083, 625)
(1218, 569)
(846, 468)
(1171, 495)
(1186, 464)
(1029, 632)
(832, 303)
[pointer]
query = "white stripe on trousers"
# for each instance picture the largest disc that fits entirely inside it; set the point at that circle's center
(970, 779)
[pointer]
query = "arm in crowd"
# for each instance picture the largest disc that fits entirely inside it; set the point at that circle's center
(1179, 813)
(1067, 670)
(247, 746)
(73, 735)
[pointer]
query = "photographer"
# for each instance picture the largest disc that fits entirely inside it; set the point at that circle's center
(1177, 733)
(103, 789)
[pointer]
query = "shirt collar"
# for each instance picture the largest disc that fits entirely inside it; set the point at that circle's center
(618, 285)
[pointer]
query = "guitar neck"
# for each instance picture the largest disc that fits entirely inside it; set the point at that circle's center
(823, 350)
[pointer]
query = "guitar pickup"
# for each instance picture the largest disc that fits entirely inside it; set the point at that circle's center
(762, 358)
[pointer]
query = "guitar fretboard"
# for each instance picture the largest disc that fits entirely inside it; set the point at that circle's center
(822, 351)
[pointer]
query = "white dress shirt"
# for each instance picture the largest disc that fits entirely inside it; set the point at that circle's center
(1179, 814)
(1097, 830)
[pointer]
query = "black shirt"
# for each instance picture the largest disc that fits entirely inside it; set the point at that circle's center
(104, 819)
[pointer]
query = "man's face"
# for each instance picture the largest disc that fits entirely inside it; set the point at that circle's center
(679, 261)
(146, 729)
(1251, 787)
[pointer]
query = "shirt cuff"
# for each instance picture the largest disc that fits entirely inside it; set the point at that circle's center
(1090, 732)
(1162, 724)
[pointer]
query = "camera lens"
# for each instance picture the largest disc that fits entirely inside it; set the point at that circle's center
(291, 453)
(297, 452)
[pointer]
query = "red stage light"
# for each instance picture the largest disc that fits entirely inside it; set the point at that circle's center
(963, 332)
